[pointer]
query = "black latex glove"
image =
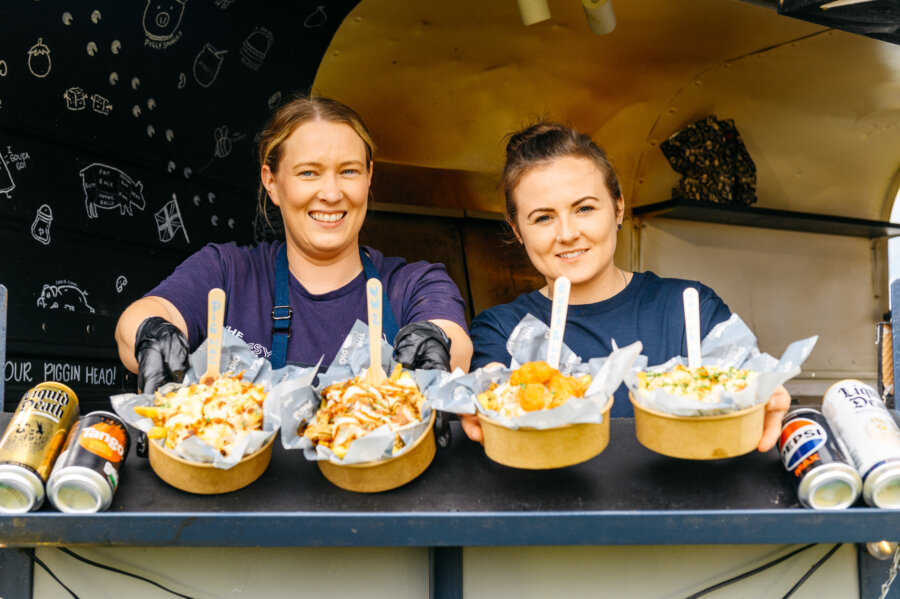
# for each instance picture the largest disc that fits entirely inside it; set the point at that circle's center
(424, 345)
(161, 351)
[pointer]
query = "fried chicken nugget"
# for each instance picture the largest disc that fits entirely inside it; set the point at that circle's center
(532, 372)
(533, 396)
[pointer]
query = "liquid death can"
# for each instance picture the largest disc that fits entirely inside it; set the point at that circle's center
(868, 431)
(811, 452)
(87, 472)
(31, 443)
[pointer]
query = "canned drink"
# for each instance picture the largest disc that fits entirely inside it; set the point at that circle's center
(812, 453)
(871, 436)
(87, 472)
(31, 443)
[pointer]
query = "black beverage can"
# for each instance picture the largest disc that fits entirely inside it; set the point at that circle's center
(31, 443)
(87, 472)
(826, 480)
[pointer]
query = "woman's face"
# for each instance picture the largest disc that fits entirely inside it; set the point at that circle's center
(321, 187)
(567, 221)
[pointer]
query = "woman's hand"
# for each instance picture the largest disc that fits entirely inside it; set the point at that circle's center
(470, 423)
(776, 408)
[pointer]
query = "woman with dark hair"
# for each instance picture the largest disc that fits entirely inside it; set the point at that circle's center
(295, 301)
(565, 206)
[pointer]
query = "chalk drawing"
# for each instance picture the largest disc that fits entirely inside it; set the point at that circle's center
(170, 135)
(211, 197)
(317, 18)
(196, 200)
(91, 48)
(214, 220)
(95, 17)
(224, 4)
(106, 188)
(75, 98)
(256, 47)
(100, 104)
(171, 166)
(2, 68)
(115, 46)
(19, 160)
(151, 103)
(136, 110)
(6, 181)
(121, 282)
(135, 83)
(113, 78)
(161, 21)
(67, 18)
(230, 223)
(151, 130)
(39, 59)
(187, 172)
(207, 64)
(182, 80)
(40, 228)
(64, 295)
(168, 221)
(223, 142)
(274, 100)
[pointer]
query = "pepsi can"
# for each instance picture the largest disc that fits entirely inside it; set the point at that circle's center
(813, 455)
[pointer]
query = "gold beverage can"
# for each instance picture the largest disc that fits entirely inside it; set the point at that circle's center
(31, 443)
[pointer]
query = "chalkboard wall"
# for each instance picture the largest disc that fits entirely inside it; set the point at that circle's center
(126, 143)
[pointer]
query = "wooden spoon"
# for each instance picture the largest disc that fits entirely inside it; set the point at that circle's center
(558, 320)
(692, 326)
(215, 319)
(375, 373)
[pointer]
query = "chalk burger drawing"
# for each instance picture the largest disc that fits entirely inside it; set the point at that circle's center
(64, 295)
(107, 188)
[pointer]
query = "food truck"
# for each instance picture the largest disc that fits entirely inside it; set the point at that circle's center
(128, 142)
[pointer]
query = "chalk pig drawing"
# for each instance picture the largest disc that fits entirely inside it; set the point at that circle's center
(107, 188)
(64, 295)
(162, 18)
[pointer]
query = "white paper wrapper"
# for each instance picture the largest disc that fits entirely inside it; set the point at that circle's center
(236, 357)
(528, 343)
(730, 343)
(353, 360)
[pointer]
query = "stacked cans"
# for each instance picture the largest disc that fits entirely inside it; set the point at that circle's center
(81, 479)
(852, 446)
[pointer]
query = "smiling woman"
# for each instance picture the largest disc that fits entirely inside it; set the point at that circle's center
(565, 206)
(296, 301)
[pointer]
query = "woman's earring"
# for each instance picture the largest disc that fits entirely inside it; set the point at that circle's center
(619, 226)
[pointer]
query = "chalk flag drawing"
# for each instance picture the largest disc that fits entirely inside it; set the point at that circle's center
(207, 65)
(106, 188)
(39, 59)
(256, 47)
(100, 104)
(64, 295)
(121, 281)
(6, 181)
(40, 228)
(161, 21)
(75, 98)
(316, 19)
(169, 222)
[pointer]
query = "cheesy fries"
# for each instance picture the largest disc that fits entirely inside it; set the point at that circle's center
(221, 414)
(704, 383)
(533, 386)
(353, 408)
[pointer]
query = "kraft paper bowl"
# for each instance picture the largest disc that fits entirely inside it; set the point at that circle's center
(543, 449)
(204, 478)
(699, 437)
(384, 475)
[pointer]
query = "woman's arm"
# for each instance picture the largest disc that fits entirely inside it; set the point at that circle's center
(460, 344)
(134, 315)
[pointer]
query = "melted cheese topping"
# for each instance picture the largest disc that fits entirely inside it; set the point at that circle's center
(705, 383)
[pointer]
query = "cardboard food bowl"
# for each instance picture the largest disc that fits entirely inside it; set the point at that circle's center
(204, 478)
(699, 437)
(543, 449)
(384, 475)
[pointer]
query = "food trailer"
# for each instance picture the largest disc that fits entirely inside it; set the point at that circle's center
(127, 142)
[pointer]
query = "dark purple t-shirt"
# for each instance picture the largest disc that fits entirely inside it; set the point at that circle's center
(320, 323)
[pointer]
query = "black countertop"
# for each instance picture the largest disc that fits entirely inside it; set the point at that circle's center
(626, 495)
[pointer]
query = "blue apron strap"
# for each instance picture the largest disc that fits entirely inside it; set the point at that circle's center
(388, 324)
(281, 313)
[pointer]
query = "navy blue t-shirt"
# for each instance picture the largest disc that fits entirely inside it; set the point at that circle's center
(650, 309)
